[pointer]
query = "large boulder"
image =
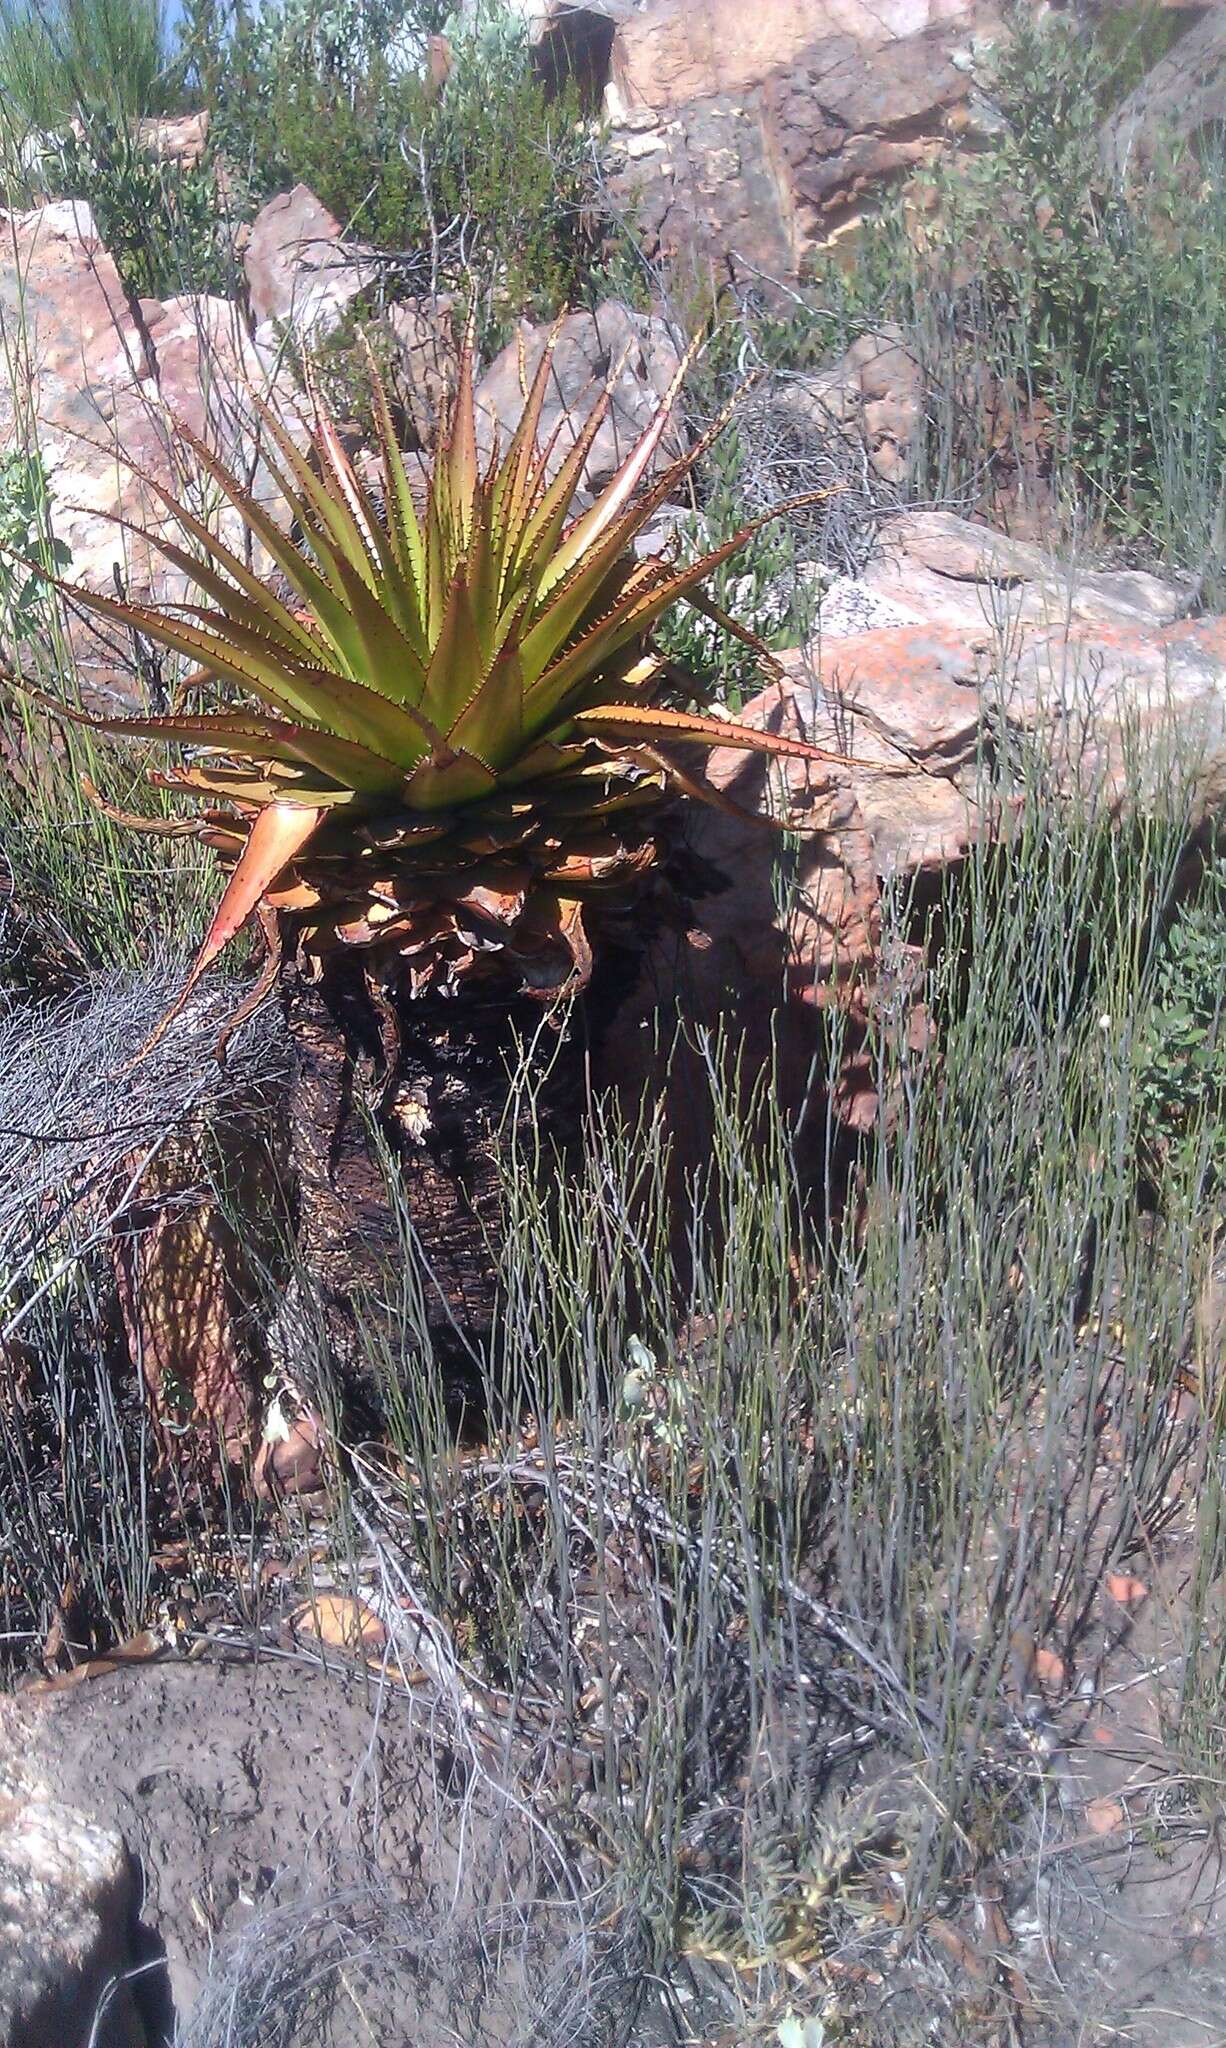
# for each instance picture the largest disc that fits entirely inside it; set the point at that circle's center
(589, 347)
(100, 388)
(934, 569)
(754, 136)
(303, 1855)
(67, 1905)
(68, 340)
(302, 274)
(670, 52)
(961, 629)
(954, 636)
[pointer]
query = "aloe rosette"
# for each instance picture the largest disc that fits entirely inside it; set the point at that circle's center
(447, 726)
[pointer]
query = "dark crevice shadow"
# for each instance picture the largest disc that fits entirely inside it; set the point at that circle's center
(150, 1982)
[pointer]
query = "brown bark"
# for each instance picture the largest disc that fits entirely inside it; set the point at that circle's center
(435, 1115)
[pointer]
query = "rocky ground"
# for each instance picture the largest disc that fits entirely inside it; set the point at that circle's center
(281, 1846)
(274, 1851)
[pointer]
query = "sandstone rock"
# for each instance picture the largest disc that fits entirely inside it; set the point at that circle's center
(873, 395)
(64, 321)
(589, 346)
(98, 388)
(1098, 669)
(934, 569)
(702, 189)
(1183, 98)
(672, 51)
(67, 1901)
(301, 273)
(847, 117)
(180, 139)
(1119, 693)
(756, 135)
(203, 370)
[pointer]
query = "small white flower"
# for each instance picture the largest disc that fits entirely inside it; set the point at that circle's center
(276, 1427)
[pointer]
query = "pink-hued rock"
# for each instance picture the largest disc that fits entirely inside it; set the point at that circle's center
(751, 136)
(301, 273)
(101, 392)
(65, 326)
(845, 118)
(873, 395)
(178, 138)
(1115, 689)
(672, 51)
(963, 627)
(589, 346)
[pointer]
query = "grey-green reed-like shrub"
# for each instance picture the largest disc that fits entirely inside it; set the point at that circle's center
(61, 59)
(1069, 320)
(743, 1411)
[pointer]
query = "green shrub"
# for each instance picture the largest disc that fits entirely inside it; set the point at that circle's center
(158, 218)
(76, 78)
(484, 176)
(1183, 1075)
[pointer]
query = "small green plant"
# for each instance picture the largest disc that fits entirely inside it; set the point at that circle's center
(159, 219)
(1183, 1079)
(761, 590)
(25, 537)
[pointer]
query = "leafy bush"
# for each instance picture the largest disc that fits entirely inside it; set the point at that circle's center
(76, 78)
(1183, 1078)
(478, 174)
(25, 536)
(160, 219)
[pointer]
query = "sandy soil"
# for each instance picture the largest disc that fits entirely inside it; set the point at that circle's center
(301, 1849)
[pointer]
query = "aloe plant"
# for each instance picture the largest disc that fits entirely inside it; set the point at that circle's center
(448, 727)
